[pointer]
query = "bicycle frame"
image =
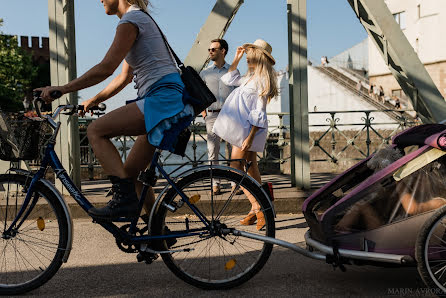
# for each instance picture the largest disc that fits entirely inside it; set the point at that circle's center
(51, 159)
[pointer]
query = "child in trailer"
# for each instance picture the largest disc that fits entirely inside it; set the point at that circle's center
(419, 192)
(242, 121)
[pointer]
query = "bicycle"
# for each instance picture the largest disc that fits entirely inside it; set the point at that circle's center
(196, 232)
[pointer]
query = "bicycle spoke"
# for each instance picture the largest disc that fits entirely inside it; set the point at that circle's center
(40, 240)
(4, 256)
(36, 212)
(44, 247)
(36, 251)
(24, 258)
(36, 246)
(218, 259)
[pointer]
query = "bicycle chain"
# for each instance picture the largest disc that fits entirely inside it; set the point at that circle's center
(131, 248)
(198, 241)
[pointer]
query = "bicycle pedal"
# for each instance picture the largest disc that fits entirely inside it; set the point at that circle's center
(100, 220)
(147, 257)
(148, 177)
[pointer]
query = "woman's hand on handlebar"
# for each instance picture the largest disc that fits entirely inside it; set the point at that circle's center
(88, 105)
(47, 91)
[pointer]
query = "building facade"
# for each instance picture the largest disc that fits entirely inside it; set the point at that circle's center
(424, 24)
(40, 53)
(39, 48)
(355, 58)
(325, 95)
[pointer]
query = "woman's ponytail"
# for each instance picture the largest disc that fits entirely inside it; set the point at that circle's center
(143, 4)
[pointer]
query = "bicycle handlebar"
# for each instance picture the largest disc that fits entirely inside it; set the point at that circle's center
(71, 108)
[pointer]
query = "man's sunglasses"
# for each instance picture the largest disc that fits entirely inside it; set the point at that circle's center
(213, 49)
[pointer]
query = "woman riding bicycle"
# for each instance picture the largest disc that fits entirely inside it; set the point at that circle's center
(160, 91)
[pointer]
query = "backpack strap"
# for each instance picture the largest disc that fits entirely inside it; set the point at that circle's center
(177, 60)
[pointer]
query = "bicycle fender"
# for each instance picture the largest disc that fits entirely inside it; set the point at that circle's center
(67, 215)
(65, 208)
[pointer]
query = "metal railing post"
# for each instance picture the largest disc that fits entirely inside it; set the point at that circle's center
(298, 61)
(368, 124)
(124, 148)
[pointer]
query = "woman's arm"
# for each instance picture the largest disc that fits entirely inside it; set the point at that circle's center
(257, 119)
(247, 143)
(238, 56)
(115, 86)
(125, 37)
(232, 77)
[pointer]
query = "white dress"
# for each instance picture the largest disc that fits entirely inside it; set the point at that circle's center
(243, 109)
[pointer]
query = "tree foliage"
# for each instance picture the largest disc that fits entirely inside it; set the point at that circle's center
(17, 73)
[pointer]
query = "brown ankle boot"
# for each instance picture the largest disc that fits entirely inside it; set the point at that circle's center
(260, 220)
(249, 220)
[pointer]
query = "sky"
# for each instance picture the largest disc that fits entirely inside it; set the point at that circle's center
(331, 24)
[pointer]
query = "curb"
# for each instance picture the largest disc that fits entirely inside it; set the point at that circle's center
(281, 206)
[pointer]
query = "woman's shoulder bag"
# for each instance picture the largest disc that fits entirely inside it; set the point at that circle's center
(197, 92)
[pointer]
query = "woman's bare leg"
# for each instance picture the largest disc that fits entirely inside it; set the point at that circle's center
(138, 160)
(237, 153)
(125, 121)
(253, 170)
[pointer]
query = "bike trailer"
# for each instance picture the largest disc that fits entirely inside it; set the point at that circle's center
(380, 204)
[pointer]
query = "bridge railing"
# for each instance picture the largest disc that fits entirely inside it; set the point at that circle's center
(196, 152)
(336, 138)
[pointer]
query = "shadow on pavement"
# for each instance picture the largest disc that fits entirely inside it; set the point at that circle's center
(286, 274)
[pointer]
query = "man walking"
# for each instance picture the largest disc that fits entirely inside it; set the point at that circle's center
(211, 76)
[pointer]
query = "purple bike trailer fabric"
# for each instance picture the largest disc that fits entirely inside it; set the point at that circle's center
(362, 184)
(419, 135)
(327, 186)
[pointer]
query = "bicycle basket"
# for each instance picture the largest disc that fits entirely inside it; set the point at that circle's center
(20, 137)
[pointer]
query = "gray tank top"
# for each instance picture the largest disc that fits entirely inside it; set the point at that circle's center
(149, 56)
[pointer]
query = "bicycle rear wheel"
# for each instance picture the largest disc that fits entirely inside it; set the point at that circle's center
(214, 260)
(32, 253)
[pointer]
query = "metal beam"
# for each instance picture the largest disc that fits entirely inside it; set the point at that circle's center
(215, 26)
(63, 70)
(401, 59)
(298, 81)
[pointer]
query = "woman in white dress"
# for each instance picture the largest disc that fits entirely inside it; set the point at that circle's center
(242, 121)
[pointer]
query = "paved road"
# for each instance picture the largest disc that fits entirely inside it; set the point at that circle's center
(98, 268)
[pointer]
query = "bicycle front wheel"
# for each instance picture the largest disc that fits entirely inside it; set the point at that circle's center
(212, 259)
(30, 254)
